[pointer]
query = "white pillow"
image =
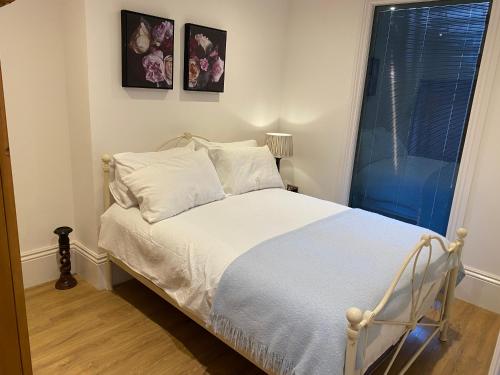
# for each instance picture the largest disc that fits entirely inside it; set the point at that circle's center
(175, 185)
(201, 143)
(246, 169)
(127, 162)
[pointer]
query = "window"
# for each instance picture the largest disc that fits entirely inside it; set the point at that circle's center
(422, 68)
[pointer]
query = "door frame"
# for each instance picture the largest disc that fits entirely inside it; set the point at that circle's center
(477, 119)
(10, 253)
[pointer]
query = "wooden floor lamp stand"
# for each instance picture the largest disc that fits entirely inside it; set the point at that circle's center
(66, 279)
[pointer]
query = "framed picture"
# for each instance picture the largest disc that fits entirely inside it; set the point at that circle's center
(204, 58)
(147, 51)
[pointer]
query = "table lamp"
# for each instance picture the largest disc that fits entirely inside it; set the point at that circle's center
(280, 145)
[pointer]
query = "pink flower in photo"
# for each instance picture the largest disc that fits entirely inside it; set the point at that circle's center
(217, 69)
(204, 64)
(203, 41)
(162, 31)
(154, 66)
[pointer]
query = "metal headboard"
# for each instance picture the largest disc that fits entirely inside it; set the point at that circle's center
(184, 137)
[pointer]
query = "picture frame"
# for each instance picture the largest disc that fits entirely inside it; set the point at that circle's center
(147, 51)
(204, 58)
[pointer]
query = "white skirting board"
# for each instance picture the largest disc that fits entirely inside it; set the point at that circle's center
(90, 265)
(481, 289)
(42, 265)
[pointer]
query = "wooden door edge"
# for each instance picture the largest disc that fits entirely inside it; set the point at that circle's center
(13, 238)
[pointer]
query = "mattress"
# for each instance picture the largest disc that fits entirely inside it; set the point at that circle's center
(186, 255)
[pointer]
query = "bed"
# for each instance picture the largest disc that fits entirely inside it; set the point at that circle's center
(184, 258)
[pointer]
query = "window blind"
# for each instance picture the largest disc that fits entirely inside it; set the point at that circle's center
(423, 64)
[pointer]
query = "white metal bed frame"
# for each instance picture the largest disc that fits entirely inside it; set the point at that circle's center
(358, 320)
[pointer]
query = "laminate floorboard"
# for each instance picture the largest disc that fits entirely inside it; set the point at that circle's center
(133, 331)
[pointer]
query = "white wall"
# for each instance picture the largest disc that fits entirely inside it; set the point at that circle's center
(322, 40)
(141, 119)
(80, 139)
(483, 212)
(33, 64)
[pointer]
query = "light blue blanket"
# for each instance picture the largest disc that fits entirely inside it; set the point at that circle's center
(284, 301)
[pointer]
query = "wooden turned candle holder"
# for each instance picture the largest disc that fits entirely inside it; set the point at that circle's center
(66, 279)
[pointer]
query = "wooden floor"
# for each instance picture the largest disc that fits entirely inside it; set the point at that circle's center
(132, 331)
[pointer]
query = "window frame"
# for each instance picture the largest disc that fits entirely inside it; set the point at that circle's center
(477, 116)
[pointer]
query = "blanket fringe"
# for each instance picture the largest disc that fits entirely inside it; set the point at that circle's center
(259, 352)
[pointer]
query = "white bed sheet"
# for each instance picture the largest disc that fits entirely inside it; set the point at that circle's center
(187, 254)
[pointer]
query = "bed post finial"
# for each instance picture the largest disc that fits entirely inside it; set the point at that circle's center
(354, 317)
(462, 233)
(106, 158)
(106, 161)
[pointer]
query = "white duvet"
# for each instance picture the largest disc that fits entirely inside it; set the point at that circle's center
(187, 254)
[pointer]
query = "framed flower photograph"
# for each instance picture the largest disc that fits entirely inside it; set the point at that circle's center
(147, 51)
(204, 58)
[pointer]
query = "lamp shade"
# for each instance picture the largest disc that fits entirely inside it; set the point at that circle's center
(280, 144)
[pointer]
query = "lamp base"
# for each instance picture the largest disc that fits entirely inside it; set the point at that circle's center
(278, 160)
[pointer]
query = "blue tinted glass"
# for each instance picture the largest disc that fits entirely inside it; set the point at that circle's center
(422, 68)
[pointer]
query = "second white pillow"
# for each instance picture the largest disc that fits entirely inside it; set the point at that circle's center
(201, 143)
(246, 169)
(170, 187)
